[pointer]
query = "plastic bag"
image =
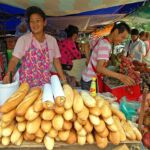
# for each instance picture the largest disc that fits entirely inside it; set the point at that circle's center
(129, 108)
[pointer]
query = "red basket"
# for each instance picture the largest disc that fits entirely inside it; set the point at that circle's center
(131, 92)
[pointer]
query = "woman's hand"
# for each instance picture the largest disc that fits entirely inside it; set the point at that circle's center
(6, 78)
(126, 80)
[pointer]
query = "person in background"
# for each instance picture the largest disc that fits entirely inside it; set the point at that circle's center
(37, 51)
(100, 57)
(142, 36)
(68, 48)
(136, 48)
(146, 59)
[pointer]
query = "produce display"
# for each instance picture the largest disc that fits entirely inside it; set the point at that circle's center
(145, 80)
(75, 118)
(141, 67)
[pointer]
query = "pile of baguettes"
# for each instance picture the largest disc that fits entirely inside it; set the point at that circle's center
(76, 118)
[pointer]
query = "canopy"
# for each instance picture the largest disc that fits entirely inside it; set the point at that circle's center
(83, 13)
(67, 7)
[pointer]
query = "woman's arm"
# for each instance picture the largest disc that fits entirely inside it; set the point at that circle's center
(11, 68)
(59, 70)
(123, 78)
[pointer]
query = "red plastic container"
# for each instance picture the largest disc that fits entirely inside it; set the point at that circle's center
(131, 92)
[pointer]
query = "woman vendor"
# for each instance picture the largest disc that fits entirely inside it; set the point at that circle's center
(100, 56)
(37, 51)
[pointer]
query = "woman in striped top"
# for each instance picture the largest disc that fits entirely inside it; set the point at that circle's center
(100, 57)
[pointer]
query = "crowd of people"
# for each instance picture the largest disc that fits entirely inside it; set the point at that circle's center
(39, 51)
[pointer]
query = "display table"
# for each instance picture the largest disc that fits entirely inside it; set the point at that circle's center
(63, 146)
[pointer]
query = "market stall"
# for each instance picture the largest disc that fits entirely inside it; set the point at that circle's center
(57, 115)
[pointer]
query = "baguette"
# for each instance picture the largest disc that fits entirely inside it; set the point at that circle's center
(5, 140)
(31, 114)
(59, 109)
(72, 139)
(49, 142)
(67, 125)
(120, 129)
(47, 115)
(90, 138)
(8, 130)
(68, 114)
(100, 127)
(33, 126)
(15, 135)
(114, 137)
(20, 119)
(106, 111)
(39, 133)
(69, 96)
(8, 117)
(20, 141)
(84, 113)
(5, 124)
(81, 140)
(29, 137)
(63, 135)
(15, 99)
(104, 133)
(94, 120)
(46, 126)
(38, 104)
(21, 126)
(101, 142)
(118, 113)
(53, 133)
(88, 127)
(38, 140)
(28, 101)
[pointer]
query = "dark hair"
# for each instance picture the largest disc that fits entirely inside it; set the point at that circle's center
(142, 33)
(34, 10)
(121, 26)
(134, 32)
(70, 30)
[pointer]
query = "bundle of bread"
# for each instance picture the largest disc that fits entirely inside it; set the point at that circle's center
(81, 119)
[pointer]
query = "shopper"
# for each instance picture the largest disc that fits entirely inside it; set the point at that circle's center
(37, 51)
(100, 57)
(136, 48)
(68, 48)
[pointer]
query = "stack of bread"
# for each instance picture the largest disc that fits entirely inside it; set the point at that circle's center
(76, 118)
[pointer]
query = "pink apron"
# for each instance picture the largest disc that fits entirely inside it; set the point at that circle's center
(35, 66)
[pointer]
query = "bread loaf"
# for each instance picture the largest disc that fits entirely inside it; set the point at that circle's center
(104, 133)
(21, 126)
(77, 126)
(90, 138)
(15, 136)
(118, 113)
(101, 142)
(29, 137)
(59, 109)
(15, 99)
(114, 137)
(5, 140)
(47, 114)
(28, 101)
(81, 140)
(68, 114)
(48, 105)
(72, 139)
(63, 135)
(69, 94)
(58, 122)
(94, 120)
(106, 111)
(60, 100)
(5, 124)
(33, 126)
(120, 129)
(88, 100)
(82, 132)
(20, 119)
(53, 133)
(39, 133)
(78, 102)
(67, 125)
(38, 104)
(8, 117)
(88, 127)
(49, 142)
(100, 127)
(99, 101)
(128, 130)
(95, 111)
(109, 120)
(20, 141)
(8, 130)
(46, 126)
(31, 114)
(84, 113)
